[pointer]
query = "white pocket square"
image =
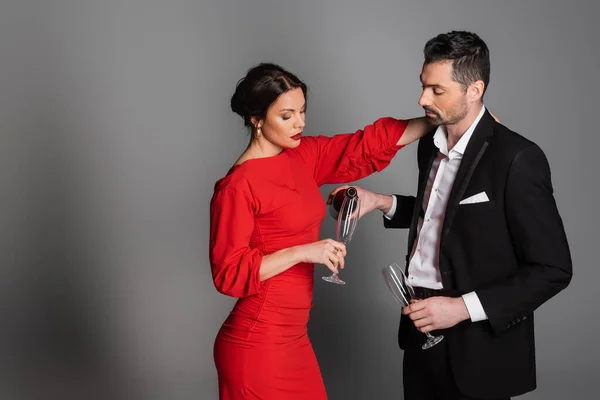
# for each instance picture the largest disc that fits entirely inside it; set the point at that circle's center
(477, 198)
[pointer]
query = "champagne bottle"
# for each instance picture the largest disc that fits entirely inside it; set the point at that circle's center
(338, 200)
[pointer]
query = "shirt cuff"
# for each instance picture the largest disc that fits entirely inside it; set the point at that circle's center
(390, 214)
(474, 307)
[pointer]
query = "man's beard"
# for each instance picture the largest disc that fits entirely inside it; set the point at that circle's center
(436, 120)
(457, 114)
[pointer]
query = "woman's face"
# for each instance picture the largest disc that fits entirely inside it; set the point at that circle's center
(284, 122)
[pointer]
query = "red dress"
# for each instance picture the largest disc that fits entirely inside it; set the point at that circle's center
(264, 205)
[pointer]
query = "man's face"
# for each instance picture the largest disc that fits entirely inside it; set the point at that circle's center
(443, 99)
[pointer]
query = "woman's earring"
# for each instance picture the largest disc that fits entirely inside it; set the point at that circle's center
(258, 132)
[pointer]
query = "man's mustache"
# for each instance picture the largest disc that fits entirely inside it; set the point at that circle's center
(431, 111)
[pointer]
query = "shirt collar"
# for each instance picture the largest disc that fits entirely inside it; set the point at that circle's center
(440, 139)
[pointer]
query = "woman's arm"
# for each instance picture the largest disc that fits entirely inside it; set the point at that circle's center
(415, 130)
(238, 269)
(327, 252)
(352, 156)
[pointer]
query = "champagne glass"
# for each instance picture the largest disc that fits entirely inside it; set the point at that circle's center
(346, 224)
(398, 284)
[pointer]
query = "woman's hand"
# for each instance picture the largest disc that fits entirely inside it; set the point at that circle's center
(494, 116)
(327, 252)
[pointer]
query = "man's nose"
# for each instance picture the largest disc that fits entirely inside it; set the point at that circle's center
(424, 100)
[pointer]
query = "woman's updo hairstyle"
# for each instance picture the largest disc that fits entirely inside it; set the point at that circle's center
(261, 86)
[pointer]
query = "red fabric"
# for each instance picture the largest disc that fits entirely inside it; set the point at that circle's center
(264, 205)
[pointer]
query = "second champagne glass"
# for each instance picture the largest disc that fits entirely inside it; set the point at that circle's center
(346, 224)
(404, 292)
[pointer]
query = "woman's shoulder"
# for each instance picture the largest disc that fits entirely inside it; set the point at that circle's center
(237, 179)
(308, 148)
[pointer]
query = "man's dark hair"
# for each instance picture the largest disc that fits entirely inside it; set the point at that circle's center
(469, 55)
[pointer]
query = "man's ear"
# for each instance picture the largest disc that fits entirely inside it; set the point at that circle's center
(475, 91)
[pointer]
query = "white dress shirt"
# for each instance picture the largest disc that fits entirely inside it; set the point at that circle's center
(423, 269)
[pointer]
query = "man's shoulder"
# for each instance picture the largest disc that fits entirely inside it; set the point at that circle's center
(427, 140)
(509, 141)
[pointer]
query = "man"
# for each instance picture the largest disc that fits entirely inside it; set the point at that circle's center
(486, 243)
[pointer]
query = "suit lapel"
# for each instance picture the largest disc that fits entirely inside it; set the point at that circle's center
(427, 157)
(473, 153)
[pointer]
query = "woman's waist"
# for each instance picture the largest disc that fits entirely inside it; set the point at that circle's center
(273, 338)
(271, 325)
(280, 303)
(285, 299)
(269, 320)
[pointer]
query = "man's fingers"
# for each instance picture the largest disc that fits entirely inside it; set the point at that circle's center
(416, 306)
(422, 323)
(426, 328)
(418, 315)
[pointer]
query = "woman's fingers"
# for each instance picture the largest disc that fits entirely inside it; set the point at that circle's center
(337, 258)
(334, 254)
(331, 266)
(342, 262)
(339, 246)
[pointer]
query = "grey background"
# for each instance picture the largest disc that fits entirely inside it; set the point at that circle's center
(116, 124)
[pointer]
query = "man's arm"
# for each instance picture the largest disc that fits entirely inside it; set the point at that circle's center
(397, 210)
(401, 215)
(539, 240)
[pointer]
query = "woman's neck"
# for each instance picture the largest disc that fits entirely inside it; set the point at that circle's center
(259, 148)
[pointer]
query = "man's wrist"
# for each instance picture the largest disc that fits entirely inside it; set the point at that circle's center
(384, 202)
(463, 311)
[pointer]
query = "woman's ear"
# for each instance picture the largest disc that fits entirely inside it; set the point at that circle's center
(256, 123)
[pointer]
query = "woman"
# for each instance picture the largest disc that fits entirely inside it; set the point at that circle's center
(266, 215)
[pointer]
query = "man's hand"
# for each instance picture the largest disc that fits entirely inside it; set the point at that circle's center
(369, 201)
(437, 313)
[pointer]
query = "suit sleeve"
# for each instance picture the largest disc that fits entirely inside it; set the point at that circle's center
(352, 156)
(402, 218)
(539, 241)
(235, 265)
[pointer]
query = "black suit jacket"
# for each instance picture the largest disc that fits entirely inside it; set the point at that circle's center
(512, 251)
